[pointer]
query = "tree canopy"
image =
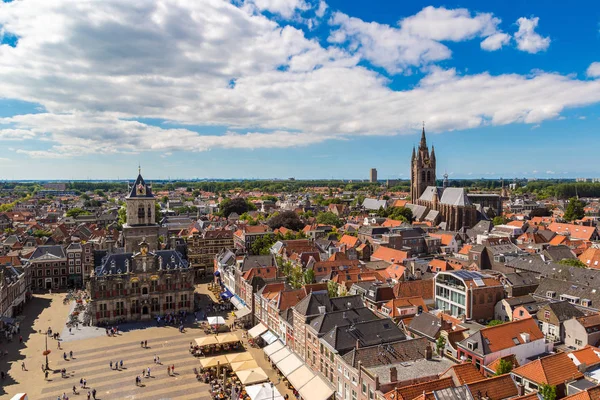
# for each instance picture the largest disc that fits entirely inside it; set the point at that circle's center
(262, 245)
(236, 205)
(287, 219)
(329, 218)
(572, 262)
(574, 209)
(75, 212)
(504, 367)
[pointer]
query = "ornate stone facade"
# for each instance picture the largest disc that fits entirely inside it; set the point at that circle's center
(140, 281)
(422, 171)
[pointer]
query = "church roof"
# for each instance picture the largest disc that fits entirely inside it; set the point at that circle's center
(139, 182)
(450, 196)
(116, 263)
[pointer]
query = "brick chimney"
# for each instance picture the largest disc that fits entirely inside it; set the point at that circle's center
(393, 374)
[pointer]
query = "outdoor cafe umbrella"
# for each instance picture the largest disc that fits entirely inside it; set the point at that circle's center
(228, 338)
(263, 391)
(213, 361)
(242, 365)
(250, 376)
(238, 357)
(205, 341)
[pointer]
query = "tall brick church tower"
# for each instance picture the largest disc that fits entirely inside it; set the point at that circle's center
(141, 223)
(422, 169)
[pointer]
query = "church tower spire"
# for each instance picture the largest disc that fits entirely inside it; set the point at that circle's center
(422, 170)
(423, 144)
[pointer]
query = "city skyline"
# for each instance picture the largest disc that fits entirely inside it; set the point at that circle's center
(300, 88)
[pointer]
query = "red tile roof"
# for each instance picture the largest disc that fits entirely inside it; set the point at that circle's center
(389, 255)
(503, 336)
(495, 388)
(555, 369)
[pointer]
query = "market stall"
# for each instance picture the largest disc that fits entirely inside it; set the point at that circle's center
(289, 364)
(263, 391)
(273, 347)
(279, 355)
(300, 377)
(257, 330)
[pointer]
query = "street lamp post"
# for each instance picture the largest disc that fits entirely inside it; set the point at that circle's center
(272, 392)
(46, 352)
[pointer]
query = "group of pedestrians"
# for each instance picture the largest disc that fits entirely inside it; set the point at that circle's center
(117, 364)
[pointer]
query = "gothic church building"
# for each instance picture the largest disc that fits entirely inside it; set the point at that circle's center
(448, 208)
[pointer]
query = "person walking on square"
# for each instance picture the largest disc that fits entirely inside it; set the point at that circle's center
(111, 367)
(158, 359)
(89, 395)
(121, 363)
(168, 370)
(142, 344)
(71, 354)
(155, 359)
(148, 372)
(94, 393)
(81, 383)
(145, 344)
(23, 366)
(84, 383)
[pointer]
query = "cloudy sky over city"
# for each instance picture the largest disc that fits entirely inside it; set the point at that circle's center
(303, 88)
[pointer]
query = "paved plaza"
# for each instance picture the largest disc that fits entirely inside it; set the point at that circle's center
(92, 353)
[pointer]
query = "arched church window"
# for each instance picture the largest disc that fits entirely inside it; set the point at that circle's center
(141, 212)
(428, 176)
(149, 213)
(423, 176)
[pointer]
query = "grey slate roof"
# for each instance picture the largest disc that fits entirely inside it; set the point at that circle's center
(115, 263)
(323, 323)
(48, 252)
(426, 324)
(369, 333)
(429, 192)
(557, 253)
(417, 211)
(310, 304)
(564, 310)
(374, 204)
(432, 215)
(258, 261)
(140, 181)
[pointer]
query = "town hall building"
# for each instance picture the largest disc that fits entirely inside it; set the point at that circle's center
(140, 280)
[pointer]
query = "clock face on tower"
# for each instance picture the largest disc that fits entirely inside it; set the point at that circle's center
(141, 189)
(427, 162)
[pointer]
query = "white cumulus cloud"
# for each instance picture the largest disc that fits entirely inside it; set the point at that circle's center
(593, 70)
(527, 39)
(495, 41)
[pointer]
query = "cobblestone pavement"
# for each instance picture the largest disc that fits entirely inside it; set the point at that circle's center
(92, 355)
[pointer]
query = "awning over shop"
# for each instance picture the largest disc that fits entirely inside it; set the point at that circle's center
(257, 330)
(205, 341)
(289, 364)
(280, 355)
(236, 302)
(243, 312)
(273, 347)
(269, 337)
(226, 294)
(300, 377)
(316, 389)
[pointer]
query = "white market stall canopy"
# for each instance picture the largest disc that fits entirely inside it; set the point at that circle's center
(316, 389)
(216, 320)
(242, 312)
(273, 347)
(257, 330)
(263, 391)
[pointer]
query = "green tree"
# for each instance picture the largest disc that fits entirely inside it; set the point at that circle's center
(332, 289)
(262, 245)
(296, 277)
(122, 216)
(574, 209)
(400, 214)
(287, 219)
(75, 212)
(236, 205)
(164, 199)
(499, 220)
(329, 218)
(42, 233)
(504, 367)
(309, 276)
(495, 322)
(572, 262)
(440, 343)
(548, 392)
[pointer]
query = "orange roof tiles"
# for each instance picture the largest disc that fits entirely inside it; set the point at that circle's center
(464, 373)
(389, 255)
(590, 394)
(495, 388)
(439, 265)
(423, 288)
(493, 366)
(349, 241)
(550, 370)
(589, 355)
(576, 231)
(404, 302)
(591, 258)
(445, 238)
(501, 337)
(465, 249)
(413, 391)
(400, 203)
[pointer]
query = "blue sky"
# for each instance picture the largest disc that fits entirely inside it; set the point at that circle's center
(322, 89)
